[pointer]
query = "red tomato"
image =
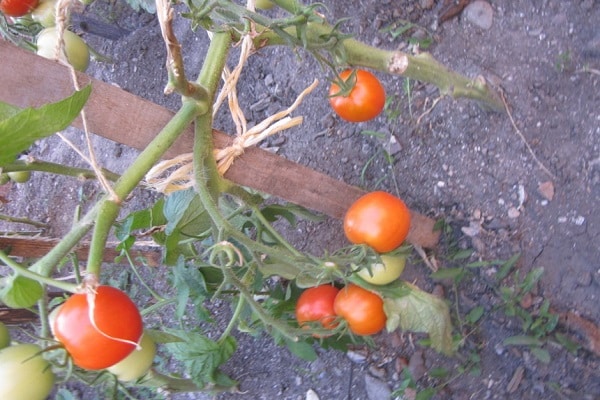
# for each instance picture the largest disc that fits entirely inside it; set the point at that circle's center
(379, 220)
(118, 326)
(316, 305)
(365, 100)
(17, 8)
(362, 310)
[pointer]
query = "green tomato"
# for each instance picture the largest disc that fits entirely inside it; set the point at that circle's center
(45, 13)
(19, 176)
(385, 272)
(264, 4)
(4, 336)
(24, 373)
(137, 363)
(78, 54)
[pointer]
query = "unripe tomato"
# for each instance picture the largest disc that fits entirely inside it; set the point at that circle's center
(377, 219)
(363, 102)
(24, 374)
(316, 305)
(362, 310)
(45, 13)
(19, 176)
(17, 8)
(264, 4)
(117, 329)
(4, 336)
(137, 363)
(388, 270)
(78, 54)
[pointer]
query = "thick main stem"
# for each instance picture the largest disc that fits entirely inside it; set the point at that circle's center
(422, 67)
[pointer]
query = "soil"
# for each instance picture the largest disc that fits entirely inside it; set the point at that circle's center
(529, 187)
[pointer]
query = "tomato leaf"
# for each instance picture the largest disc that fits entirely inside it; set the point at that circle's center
(20, 130)
(202, 356)
(21, 292)
(190, 285)
(419, 311)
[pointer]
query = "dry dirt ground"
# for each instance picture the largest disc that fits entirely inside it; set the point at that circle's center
(475, 169)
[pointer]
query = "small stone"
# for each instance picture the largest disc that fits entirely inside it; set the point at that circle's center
(480, 13)
(426, 4)
(356, 356)
(513, 213)
(546, 190)
(376, 388)
(311, 395)
(416, 365)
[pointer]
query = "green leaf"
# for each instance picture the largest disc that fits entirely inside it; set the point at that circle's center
(522, 340)
(419, 311)
(447, 273)
(21, 292)
(541, 354)
(20, 130)
(475, 314)
(191, 286)
(507, 267)
(302, 350)
(7, 110)
(202, 356)
(184, 212)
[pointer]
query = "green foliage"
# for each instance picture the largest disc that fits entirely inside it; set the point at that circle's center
(19, 130)
(20, 292)
(202, 357)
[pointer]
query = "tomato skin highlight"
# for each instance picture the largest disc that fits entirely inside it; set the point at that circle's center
(362, 310)
(316, 305)
(365, 101)
(17, 8)
(24, 374)
(115, 315)
(377, 219)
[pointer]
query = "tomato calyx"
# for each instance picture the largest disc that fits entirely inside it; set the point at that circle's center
(345, 85)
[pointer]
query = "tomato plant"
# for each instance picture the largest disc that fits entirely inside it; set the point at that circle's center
(110, 338)
(137, 363)
(379, 220)
(4, 336)
(77, 52)
(316, 305)
(362, 101)
(381, 273)
(19, 176)
(24, 373)
(362, 310)
(17, 8)
(264, 4)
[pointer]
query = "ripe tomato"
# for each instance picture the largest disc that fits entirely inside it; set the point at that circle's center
(316, 305)
(137, 363)
(388, 270)
(98, 346)
(4, 336)
(17, 8)
(24, 374)
(78, 54)
(379, 220)
(365, 100)
(362, 310)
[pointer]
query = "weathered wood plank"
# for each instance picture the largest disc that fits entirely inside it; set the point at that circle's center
(27, 80)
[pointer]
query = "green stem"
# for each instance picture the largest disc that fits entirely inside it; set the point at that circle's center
(155, 379)
(59, 169)
(422, 67)
(18, 220)
(27, 273)
(239, 307)
(109, 208)
(274, 232)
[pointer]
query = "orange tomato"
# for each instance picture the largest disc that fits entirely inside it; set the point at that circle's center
(362, 310)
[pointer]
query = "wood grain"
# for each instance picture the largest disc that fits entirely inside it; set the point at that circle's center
(27, 80)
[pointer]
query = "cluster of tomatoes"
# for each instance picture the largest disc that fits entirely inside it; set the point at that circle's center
(76, 51)
(100, 330)
(381, 221)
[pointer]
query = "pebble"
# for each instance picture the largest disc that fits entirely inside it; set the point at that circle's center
(416, 365)
(480, 13)
(376, 388)
(356, 357)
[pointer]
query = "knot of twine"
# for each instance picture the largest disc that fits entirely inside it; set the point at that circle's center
(177, 174)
